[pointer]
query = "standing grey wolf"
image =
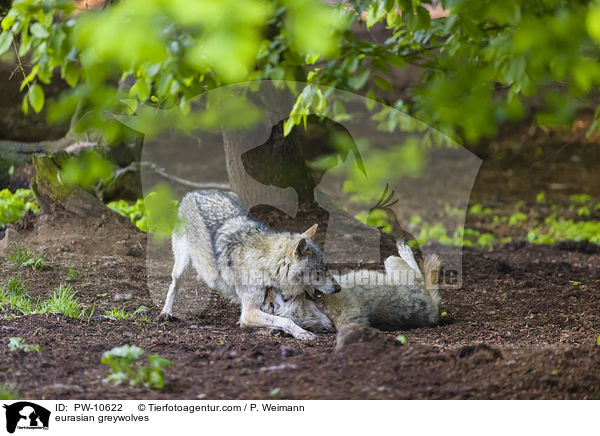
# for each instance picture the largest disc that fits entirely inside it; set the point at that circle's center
(241, 257)
(404, 297)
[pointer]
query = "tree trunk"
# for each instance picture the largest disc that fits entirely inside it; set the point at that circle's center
(274, 173)
(54, 196)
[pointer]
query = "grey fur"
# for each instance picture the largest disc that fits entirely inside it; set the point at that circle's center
(240, 257)
(403, 297)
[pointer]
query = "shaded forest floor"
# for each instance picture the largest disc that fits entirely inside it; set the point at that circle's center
(523, 325)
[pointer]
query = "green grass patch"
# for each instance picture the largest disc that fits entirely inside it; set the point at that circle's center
(140, 314)
(24, 258)
(127, 367)
(64, 301)
(17, 344)
(73, 275)
(14, 296)
(118, 313)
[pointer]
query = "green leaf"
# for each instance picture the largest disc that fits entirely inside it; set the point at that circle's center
(29, 77)
(71, 74)
(7, 22)
(395, 61)
(25, 106)
(36, 97)
(288, 126)
(157, 361)
(6, 39)
(359, 80)
(382, 83)
(38, 30)
(593, 22)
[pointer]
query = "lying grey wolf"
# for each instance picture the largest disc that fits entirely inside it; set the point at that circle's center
(241, 257)
(403, 297)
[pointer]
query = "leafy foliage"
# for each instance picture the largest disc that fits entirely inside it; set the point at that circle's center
(157, 213)
(503, 225)
(135, 212)
(14, 206)
(555, 229)
(124, 361)
(17, 344)
(86, 169)
(176, 50)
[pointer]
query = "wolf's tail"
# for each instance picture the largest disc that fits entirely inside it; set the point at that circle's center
(431, 270)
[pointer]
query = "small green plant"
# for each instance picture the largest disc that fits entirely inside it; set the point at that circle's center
(580, 198)
(73, 275)
(135, 212)
(14, 206)
(117, 313)
(15, 297)
(141, 314)
(375, 218)
(541, 197)
(276, 393)
(479, 209)
(23, 257)
(598, 341)
(517, 218)
(126, 367)
(63, 301)
(17, 344)
(583, 211)
(486, 240)
(8, 392)
(158, 207)
(559, 229)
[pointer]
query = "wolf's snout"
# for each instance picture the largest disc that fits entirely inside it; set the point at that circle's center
(330, 287)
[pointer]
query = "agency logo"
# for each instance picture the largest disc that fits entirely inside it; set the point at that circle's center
(26, 415)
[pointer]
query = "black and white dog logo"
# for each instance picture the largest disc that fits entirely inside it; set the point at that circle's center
(26, 415)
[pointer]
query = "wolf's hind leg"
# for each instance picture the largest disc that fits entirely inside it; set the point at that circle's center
(252, 316)
(181, 257)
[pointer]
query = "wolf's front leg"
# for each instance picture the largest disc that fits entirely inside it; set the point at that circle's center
(252, 316)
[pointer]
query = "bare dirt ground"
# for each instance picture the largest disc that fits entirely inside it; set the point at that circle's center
(518, 328)
(523, 325)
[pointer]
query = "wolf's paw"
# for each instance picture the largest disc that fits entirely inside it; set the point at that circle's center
(305, 336)
(164, 316)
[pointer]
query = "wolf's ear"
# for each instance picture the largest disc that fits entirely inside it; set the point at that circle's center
(310, 233)
(300, 248)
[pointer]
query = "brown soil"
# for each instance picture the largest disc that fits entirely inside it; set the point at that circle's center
(520, 327)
